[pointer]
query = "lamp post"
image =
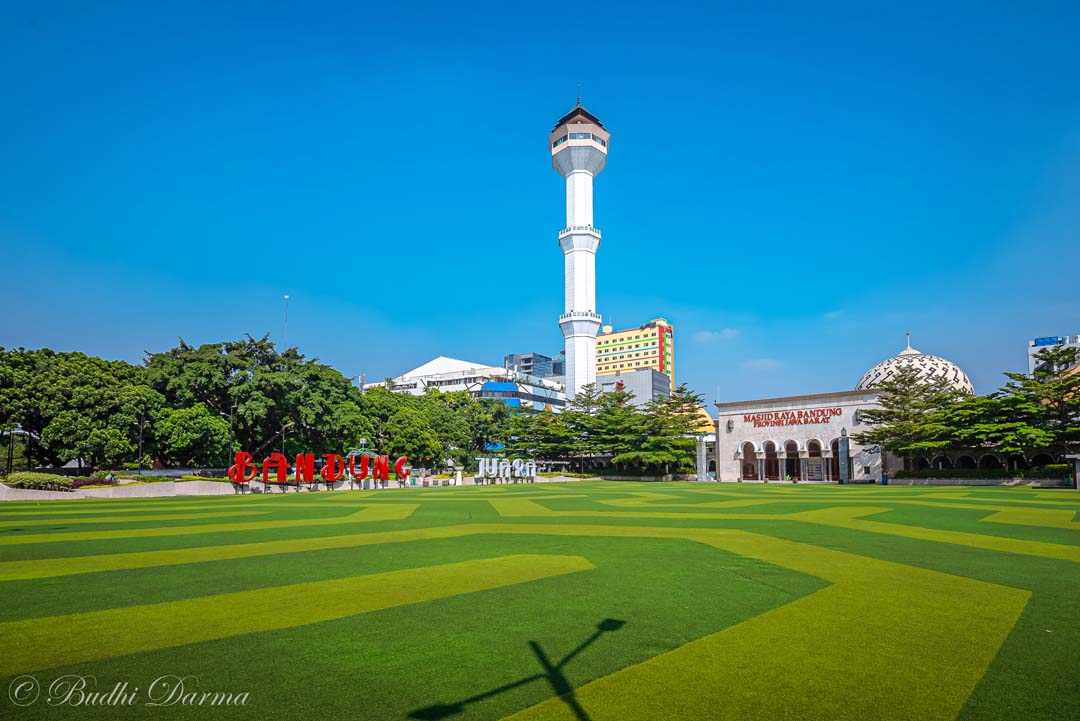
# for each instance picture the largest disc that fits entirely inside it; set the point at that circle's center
(232, 434)
(284, 427)
(11, 448)
(286, 323)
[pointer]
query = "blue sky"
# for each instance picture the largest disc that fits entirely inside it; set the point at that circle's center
(794, 186)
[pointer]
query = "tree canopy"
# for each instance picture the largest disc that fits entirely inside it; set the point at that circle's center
(1029, 415)
(195, 405)
(608, 429)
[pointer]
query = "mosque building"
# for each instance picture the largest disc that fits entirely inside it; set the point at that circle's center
(806, 437)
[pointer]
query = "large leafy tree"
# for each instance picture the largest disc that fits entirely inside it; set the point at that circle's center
(74, 407)
(268, 398)
(409, 433)
(192, 436)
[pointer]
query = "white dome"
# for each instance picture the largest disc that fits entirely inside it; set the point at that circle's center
(928, 366)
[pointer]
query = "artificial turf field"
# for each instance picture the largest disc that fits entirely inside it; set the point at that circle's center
(572, 601)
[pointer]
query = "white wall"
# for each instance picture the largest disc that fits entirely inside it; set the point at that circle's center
(729, 468)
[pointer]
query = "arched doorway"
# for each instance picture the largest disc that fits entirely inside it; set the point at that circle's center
(792, 467)
(834, 462)
(942, 462)
(1041, 459)
(1016, 462)
(922, 464)
(772, 462)
(749, 462)
(965, 462)
(815, 467)
(990, 463)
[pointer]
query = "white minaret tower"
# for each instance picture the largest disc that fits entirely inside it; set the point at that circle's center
(579, 146)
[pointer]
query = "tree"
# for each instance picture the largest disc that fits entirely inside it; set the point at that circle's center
(669, 430)
(486, 421)
(259, 390)
(192, 437)
(543, 435)
(1036, 413)
(910, 417)
(580, 419)
(380, 405)
(408, 433)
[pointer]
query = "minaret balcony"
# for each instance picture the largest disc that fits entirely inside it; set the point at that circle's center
(580, 315)
(579, 229)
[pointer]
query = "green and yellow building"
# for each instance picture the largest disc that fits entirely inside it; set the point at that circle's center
(650, 345)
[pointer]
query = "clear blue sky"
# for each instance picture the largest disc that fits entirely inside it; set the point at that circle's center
(792, 186)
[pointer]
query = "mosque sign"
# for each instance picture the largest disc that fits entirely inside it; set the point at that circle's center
(792, 417)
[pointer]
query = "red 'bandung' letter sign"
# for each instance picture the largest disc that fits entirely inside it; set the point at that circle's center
(363, 472)
(334, 468)
(305, 467)
(381, 471)
(238, 471)
(280, 463)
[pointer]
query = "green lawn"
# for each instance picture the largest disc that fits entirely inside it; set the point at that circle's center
(584, 600)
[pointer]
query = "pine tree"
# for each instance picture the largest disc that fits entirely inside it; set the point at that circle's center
(1036, 413)
(910, 417)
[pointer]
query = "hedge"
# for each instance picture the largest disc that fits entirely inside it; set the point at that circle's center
(38, 481)
(92, 481)
(1056, 471)
(568, 474)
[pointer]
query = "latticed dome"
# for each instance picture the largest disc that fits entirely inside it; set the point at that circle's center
(928, 366)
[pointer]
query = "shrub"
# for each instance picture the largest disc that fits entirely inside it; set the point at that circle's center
(92, 481)
(38, 481)
(1056, 471)
(952, 473)
(567, 474)
(204, 478)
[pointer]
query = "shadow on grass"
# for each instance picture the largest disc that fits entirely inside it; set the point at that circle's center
(552, 673)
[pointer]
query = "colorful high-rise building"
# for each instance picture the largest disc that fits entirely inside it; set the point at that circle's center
(650, 345)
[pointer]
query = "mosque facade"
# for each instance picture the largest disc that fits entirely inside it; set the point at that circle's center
(808, 437)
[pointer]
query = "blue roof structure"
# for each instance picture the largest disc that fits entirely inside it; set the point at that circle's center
(499, 386)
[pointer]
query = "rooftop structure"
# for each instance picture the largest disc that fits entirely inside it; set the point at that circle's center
(928, 367)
